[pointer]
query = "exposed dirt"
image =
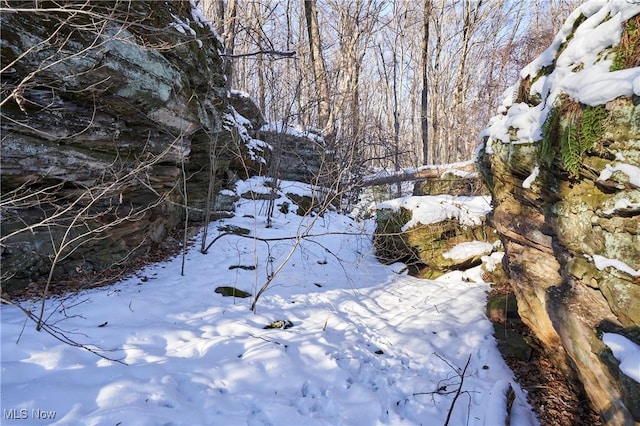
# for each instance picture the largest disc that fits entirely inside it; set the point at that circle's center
(170, 247)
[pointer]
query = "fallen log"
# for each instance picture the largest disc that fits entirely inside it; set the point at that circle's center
(423, 173)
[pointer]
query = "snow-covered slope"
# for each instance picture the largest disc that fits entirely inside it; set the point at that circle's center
(367, 346)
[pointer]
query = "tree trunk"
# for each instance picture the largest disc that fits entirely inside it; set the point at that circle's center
(437, 138)
(230, 41)
(396, 123)
(319, 67)
(470, 18)
(424, 116)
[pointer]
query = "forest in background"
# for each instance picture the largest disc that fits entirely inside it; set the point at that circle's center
(391, 84)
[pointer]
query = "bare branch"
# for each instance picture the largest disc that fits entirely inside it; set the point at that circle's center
(62, 337)
(279, 53)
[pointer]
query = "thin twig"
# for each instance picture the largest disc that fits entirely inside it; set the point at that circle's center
(266, 340)
(455, 398)
(59, 335)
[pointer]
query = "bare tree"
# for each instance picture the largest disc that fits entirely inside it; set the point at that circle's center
(424, 98)
(454, 60)
(230, 21)
(318, 65)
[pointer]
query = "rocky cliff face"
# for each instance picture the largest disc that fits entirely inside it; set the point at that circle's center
(562, 162)
(114, 118)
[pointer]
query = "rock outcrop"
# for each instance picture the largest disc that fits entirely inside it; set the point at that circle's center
(296, 155)
(433, 235)
(562, 161)
(453, 183)
(115, 117)
(442, 227)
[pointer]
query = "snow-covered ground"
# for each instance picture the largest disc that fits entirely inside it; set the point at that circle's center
(368, 345)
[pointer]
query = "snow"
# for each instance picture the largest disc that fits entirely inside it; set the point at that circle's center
(490, 262)
(468, 210)
(184, 26)
(198, 16)
(255, 147)
(602, 263)
(625, 351)
(468, 249)
(531, 178)
(633, 173)
(582, 71)
(498, 402)
(280, 127)
(622, 204)
(452, 168)
(369, 345)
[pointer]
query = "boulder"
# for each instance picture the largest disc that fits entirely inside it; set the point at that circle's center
(296, 155)
(452, 182)
(449, 240)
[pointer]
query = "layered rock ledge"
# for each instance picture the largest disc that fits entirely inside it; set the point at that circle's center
(562, 161)
(115, 121)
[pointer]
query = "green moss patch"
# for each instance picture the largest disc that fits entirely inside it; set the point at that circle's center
(227, 291)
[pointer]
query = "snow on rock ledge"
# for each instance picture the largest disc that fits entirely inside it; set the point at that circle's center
(571, 227)
(425, 231)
